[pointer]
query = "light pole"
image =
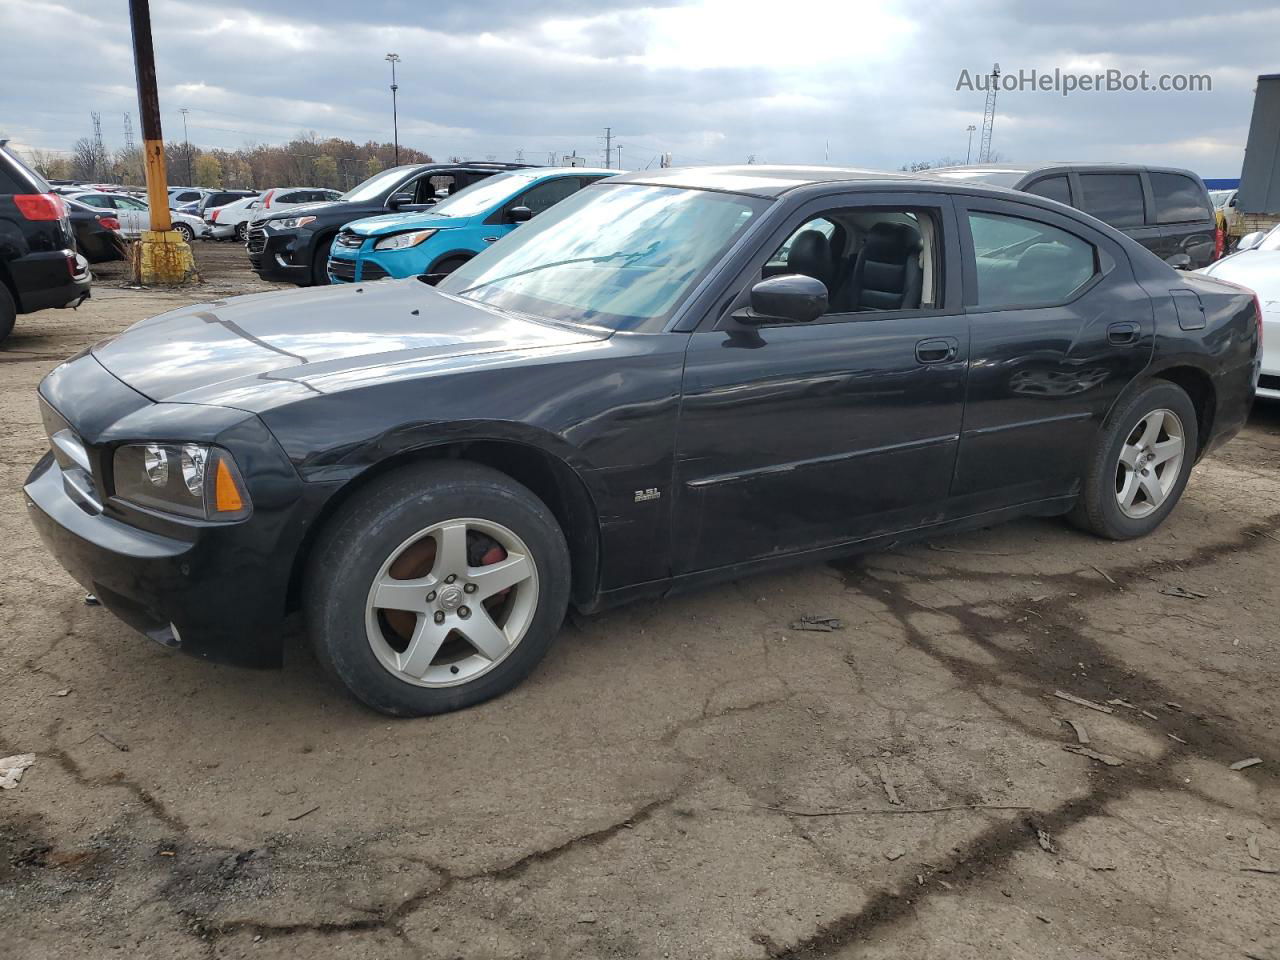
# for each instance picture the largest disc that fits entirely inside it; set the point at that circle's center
(969, 149)
(393, 59)
(187, 142)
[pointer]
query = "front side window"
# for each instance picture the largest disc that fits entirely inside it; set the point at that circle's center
(869, 259)
(547, 194)
(1114, 198)
(1021, 262)
(617, 256)
(1179, 199)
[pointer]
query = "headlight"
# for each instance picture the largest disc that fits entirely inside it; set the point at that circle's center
(289, 223)
(403, 241)
(189, 479)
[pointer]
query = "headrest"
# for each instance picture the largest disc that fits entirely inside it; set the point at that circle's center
(810, 247)
(891, 242)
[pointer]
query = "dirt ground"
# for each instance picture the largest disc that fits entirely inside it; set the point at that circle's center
(681, 779)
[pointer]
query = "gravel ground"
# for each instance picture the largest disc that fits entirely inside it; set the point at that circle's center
(688, 778)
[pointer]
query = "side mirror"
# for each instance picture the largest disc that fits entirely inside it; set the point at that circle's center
(1233, 201)
(398, 200)
(519, 215)
(790, 298)
(1251, 240)
(1179, 261)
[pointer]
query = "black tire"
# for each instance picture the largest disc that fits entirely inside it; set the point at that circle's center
(8, 311)
(1098, 509)
(448, 265)
(320, 263)
(372, 527)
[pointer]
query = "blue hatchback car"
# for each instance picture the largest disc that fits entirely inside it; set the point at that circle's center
(441, 239)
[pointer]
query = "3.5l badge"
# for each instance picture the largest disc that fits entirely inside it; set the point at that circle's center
(650, 493)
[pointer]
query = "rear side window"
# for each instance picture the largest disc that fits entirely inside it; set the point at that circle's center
(1051, 188)
(1023, 262)
(17, 177)
(1179, 198)
(1114, 198)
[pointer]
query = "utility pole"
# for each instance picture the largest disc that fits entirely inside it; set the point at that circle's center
(161, 255)
(393, 59)
(969, 149)
(989, 116)
(608, 146)
(618, 150)
(186, 140)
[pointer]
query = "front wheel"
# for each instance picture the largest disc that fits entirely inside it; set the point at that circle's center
(437, 587)
(320, 263)
(448, 265)
(1141, 465)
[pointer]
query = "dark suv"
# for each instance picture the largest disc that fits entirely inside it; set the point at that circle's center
(38, 263)
(294, 244)
(1166, 210)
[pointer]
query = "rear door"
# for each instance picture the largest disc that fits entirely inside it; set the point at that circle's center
(796, 436)
(1119, 198)
(1058, 328)
(1185, 216)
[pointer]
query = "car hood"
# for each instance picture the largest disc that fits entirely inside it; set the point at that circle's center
(263, 349)
(1259, 270)
(397, 222)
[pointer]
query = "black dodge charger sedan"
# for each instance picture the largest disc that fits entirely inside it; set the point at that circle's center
(672, 377)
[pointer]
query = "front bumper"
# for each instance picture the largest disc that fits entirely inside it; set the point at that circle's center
(283, 256)
(347, 265)
(215, 590)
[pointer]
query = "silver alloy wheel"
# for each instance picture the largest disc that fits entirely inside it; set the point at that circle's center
(185, 231)
(1149, 463)
(467, 619)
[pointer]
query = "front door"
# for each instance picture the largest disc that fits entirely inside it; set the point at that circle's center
(795, 436)
(1058, 328)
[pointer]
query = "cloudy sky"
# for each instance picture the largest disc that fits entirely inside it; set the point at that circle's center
(865, 83)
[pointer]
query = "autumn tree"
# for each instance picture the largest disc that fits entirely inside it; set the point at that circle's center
(208, 171)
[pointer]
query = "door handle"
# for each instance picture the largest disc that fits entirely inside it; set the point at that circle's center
(490, 239)
(937, 350)
(1123, 333)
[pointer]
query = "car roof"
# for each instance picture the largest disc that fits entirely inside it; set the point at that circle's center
(999, 171)
(760, 180)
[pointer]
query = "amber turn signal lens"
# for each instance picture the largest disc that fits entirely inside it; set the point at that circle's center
(227, 497)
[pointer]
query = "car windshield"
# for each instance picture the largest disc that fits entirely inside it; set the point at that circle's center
(1271, 241)
(613, 256)
(482, 195)
(376, 185)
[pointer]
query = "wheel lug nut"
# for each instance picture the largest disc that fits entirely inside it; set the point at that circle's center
(439, 616)
(464, 612)
(469, 588)
(431, 596)
(450, 578)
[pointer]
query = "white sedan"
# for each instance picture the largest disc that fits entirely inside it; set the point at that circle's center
(1256, 265)
(135, 216)
(232, 219)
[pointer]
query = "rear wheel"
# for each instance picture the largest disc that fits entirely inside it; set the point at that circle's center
(1144, 457)
(320, 263)
(241, 232)
(437, 587)
(8, 312)
(185, 231)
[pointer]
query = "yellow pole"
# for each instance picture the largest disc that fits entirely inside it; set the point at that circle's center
(160, 256)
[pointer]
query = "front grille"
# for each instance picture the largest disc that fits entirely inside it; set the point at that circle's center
(348, 239)
(372, 271)
(255, 240)
(1268, 381)
(344, 270)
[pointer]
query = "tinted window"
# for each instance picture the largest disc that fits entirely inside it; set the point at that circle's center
(546, 195)
(1179, 198)
(1052, 188)
(1022, 262)
(1114, 198)
(17, 177)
